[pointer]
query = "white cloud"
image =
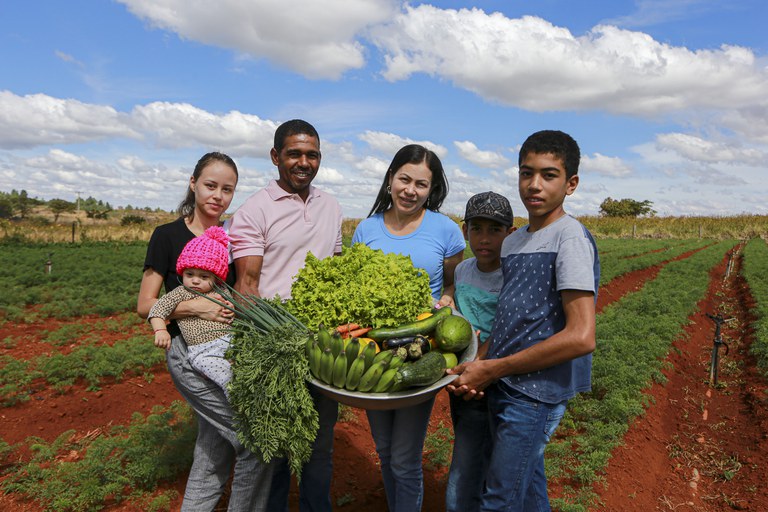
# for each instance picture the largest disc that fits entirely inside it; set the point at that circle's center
(329, 175)
(532, 64)
(389, 143)
(604, 165)
(177, 125)
(698, 149)
(68, 58)
(372, 167)
(37, 120)
(316, 39)
(470, 152)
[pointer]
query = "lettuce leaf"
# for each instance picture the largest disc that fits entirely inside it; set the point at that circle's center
(363, 286)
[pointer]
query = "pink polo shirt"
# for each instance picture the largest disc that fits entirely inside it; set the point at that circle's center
(282, 228)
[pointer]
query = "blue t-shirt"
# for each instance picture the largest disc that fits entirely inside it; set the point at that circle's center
(436, 238)
(537, 267)
(477, 294)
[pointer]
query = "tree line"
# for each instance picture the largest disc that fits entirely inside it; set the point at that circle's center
(19, 204)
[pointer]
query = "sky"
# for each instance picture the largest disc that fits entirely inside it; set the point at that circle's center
(668, 99)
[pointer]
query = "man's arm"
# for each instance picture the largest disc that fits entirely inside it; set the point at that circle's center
(248, 270)
(576, 339)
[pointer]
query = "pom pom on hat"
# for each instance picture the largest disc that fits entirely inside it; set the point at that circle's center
(208, 251)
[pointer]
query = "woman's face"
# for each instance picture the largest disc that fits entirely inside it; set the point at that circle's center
(410, 186)
(214, 189)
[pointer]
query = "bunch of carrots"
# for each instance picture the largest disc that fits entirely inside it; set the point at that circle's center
(351, 330)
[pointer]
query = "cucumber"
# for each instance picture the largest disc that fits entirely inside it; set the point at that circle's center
(423, 372)
(411, 329)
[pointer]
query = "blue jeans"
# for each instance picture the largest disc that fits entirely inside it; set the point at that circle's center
(399, 436)
(217, 447)
(521, 427)
(315, 485)
(471, 454)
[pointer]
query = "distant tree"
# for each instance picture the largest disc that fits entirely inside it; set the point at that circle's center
(132, 219)
(626, 208)
(95, 208)
(59, 206)
(6, 208)
(23, 204)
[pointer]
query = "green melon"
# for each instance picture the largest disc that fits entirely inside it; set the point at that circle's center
(453, 334)
(450, 358)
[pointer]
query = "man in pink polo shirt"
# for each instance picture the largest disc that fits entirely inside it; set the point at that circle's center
(271, 234)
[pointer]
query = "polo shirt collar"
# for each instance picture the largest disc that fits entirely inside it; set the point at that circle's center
(276, 192)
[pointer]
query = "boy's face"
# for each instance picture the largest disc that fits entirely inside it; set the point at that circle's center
(485, 237)
(543, 186)
(199, 280)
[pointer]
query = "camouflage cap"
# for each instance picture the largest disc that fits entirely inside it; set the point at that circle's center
(489, 205)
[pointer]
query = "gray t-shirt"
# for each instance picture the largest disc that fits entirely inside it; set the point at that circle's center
(537, 267)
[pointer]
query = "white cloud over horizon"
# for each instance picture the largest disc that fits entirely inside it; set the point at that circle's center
(693, 116)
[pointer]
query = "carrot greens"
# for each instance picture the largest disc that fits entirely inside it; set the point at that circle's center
(275, 415)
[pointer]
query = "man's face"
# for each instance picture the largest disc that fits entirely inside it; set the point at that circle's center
(297, 163)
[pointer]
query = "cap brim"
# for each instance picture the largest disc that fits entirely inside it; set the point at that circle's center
(505, 222)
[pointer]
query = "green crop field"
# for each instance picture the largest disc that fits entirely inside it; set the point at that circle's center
(100, 280)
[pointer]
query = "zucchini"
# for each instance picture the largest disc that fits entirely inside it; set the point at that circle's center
(423, 372)
(413, 328)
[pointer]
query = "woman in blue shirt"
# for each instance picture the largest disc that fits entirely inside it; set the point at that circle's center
(405, 220)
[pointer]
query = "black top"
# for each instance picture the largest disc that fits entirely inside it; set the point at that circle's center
(164, 247)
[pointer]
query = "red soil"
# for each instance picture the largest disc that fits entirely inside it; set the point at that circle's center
(689, 426)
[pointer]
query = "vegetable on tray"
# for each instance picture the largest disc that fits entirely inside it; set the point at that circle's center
(362, 286)
(391, 363)
(274, 413)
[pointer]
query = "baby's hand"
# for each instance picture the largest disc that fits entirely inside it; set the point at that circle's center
(162, 339)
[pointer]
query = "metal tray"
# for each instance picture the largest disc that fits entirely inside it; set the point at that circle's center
(398, 399)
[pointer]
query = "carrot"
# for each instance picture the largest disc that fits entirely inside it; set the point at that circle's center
(344, 329)
(359, 333)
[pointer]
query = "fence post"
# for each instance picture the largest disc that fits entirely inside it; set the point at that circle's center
(634, 230)
(701, 231)
(73, 232)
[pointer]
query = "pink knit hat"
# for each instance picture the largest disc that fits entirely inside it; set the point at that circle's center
(208, 251)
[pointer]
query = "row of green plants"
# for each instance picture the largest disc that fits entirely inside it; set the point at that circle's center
(624, 248)
(630, 350)
(634, 335)
(67, 280)
(613, 266)
(125, 463)
(755, 270)
(90, 363)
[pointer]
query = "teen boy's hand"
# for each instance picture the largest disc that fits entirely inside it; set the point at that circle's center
(474, 377)
(472, 380)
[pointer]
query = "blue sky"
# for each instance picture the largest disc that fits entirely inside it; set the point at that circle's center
(668, 99)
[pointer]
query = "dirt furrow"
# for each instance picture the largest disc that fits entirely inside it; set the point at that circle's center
(357, 480)
(699, 448)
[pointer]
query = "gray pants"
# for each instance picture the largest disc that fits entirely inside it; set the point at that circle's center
(217, 446)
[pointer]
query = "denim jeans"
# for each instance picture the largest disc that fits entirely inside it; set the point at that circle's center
(521, 427)
(216, 447)
(399, 436)
(315, 485)
(471, 454)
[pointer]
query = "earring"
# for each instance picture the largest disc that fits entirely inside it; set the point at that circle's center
(389, 189)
